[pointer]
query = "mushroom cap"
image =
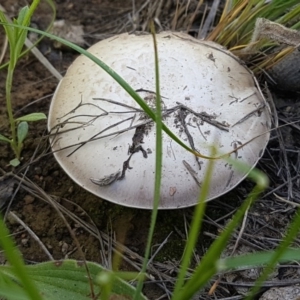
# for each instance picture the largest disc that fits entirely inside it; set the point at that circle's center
(106, 144)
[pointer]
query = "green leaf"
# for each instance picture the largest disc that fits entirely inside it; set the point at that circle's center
(22, 16)
(10, 289)
(68, 280)
(256, 259)
(4, 139)
(14, 162)
(32, 117)
(14, 258)
(21, 34)
(22, 132)
(8, 29)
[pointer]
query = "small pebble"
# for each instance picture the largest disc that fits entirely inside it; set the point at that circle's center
(28, 199)
(24, 242)
(38, 170)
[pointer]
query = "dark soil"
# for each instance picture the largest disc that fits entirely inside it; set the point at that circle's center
(46, 188)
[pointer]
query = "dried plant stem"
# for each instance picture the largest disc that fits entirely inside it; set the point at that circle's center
(276, 32)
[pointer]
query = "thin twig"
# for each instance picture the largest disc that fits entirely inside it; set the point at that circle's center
(32, 234)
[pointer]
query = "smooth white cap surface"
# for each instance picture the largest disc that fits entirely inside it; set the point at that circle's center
(208, 98)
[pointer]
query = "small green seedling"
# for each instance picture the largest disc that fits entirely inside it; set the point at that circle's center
(16, 38)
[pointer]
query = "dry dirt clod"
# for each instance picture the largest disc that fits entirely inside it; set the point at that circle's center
(64, 247)
(25, 242)
(28, 199)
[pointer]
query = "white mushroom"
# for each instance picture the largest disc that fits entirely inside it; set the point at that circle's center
(108, 144)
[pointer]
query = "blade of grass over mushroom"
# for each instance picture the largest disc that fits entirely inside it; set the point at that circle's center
(158, 163)
(208, 266)
(120, 81)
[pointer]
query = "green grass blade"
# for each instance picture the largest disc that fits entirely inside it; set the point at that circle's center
(16, 42)
(9, 31)
(4, 139)
(158, 164)
(53, 18)
(194, 230)
(14, 258)
(32, 117)
(280, 251)
(208, 266)
(30, 12)
(10, 289)
(256, 259)
(23, 19)
(238, 30)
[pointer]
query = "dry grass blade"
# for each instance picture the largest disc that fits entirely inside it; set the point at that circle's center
(209, 20)
(42, 59)
(244, 28)
(32, 234)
